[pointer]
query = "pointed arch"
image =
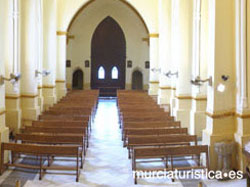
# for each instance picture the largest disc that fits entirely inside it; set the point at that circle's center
(114, 73)
(84, 6)
(101, 73)
(108, 49)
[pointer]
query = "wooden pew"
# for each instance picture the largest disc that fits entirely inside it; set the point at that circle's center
(56, 130)
(64, 124)
(137, 132)
(54, 139)
(168, 152)
(40, 151)
(149, 124)
(164, 140)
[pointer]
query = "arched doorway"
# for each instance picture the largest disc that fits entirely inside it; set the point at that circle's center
(77, 82)
(137, 80)
(108, 56)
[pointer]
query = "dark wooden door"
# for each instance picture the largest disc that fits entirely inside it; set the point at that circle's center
(108, 50)
(77, 80)
(137, 80)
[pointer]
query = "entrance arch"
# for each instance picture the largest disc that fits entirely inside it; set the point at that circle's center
(108, 50)
(77, 81)
(137, 80)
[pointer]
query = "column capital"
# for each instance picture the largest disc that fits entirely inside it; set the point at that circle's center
(61, 33)
(154, 35)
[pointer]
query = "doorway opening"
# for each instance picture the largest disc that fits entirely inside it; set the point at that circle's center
(137, 80)
(77, 83)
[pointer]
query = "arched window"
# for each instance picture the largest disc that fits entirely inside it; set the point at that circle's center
(114, 73)
(101, 73)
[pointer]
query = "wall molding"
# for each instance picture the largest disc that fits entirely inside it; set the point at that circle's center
(184, 97)
(12, 96)
(243, 116)
(61, 33)
(48, 86)
(224, 114)
(221, 114)
(200, 98)
(28, 96)
(154, 35)
(60, 81)
(166, 88)
(2, 111)
(154, 82)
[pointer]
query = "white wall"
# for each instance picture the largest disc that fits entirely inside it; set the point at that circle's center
(79, 49)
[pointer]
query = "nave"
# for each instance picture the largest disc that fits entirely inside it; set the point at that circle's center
(106, 162)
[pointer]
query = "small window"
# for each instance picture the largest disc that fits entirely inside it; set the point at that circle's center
(101, 73)
(114, 73)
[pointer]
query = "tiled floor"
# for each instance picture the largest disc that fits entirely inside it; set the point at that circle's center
(106, 163)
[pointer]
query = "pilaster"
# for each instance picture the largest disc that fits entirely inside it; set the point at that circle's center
(154, 64)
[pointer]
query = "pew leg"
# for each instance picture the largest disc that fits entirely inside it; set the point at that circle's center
(81, 161)
(129, 153)
(12, 157)
(40, 169)
(2, 162)
(198, 160)
(84, 148)
(87, 141)
(48, 160)
(77, 168)
(166, 164)
(124, 143)
(135, 179)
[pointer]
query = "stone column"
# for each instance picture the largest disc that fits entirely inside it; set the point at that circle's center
(242, 134)
(5, 13)
(174, 47)
(164, 91)
(12, 92)
(182, 56)
(200, 60)
(154, 66)
(220, 124)
(61, 65)
(29, 61)
(40, 54)
(49, 52)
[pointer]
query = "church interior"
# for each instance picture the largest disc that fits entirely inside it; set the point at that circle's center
(99, 92)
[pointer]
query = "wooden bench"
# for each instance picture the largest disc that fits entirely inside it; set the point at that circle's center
(137, 132)
(63, 124)
(164, 140)
(54, 139)
(55, 130)
(40, 151)
(148, 124)
(168, 152)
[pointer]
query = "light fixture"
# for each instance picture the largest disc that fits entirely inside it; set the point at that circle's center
(222, 87)
(198, 81)
(170, 74)
(155, 70)
(44, 73)
(13, 78)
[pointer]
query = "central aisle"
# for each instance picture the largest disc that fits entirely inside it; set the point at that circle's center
(107, 163)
